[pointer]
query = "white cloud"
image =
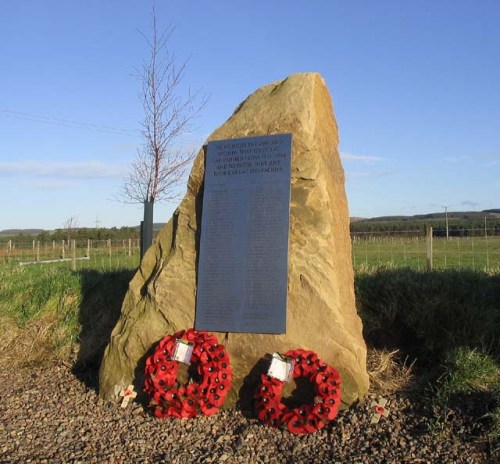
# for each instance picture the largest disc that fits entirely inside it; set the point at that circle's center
(457, 159)
(360, 158)
(71, 170)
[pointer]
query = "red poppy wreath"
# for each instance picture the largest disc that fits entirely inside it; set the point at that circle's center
(306, 418)
(213, 377)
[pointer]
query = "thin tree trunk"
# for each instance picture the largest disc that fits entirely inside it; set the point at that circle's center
(147, 227)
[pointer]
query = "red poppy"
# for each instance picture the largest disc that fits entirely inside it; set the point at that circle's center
(193, 390)
(160, 412)
(310, 426)
(158, 397)
(309, 360)
(208, 408)
(203, 356)
(178, 334)
(222, 386)
(209, 368)
(320, 411)
(170, 395)
(326, 389)
(271, 416)
(296, 427)
(188, 408)
(174, 411)
(190, 335)
(224, 376)
(219, 355)
(166, 346)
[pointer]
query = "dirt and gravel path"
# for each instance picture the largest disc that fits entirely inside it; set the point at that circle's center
(48, 416)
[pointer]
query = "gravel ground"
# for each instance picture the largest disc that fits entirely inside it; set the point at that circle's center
(49, 416)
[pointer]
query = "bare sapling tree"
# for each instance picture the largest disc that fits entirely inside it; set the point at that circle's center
(161, 162)
(70, 225)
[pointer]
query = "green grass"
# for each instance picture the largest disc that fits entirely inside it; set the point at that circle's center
(48, 311)
(101, 256)
(27, 293)
(477, 253)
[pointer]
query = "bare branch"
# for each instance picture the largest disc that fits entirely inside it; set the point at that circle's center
(160, 166)
(70, 225)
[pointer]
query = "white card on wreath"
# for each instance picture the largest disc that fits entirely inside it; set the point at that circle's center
(183, 351)
(281, 368)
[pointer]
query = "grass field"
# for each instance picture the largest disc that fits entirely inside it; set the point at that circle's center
(89, 254)
(447, 321)
(455, 253)
(477, 253)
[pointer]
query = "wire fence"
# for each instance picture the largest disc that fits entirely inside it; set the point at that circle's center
(79, 254)
(408, 249)
(415, 251)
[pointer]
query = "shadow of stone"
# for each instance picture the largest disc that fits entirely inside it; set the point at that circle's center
(474, 405)
(245, 402)
(198, 205)
(103, 294)
(297, 392)
(427, 314)
(139, 376)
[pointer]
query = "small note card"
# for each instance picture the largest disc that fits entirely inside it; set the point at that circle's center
(183, 351)
(281, 368)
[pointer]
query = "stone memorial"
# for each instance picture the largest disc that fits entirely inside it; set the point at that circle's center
(243, 265)
(320, 315)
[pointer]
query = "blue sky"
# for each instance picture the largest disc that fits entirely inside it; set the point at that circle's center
(415, 86)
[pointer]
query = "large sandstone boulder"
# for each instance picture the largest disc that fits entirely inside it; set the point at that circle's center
(321, 314)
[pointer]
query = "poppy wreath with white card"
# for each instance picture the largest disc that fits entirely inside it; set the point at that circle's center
(206, 390)
(306, 418)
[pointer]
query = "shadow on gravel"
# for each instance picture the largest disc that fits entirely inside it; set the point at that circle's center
(103, 294)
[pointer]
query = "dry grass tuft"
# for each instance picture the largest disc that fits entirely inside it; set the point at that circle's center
(26, 345)
(388, 373)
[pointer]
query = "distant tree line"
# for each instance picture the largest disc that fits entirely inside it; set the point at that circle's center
(457, 227)
(78, 234)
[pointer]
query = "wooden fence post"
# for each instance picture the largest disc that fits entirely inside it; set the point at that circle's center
(63, 252)
(88, 248)
(429, 247)
(130, 247)
(38, 250)
(73, 255)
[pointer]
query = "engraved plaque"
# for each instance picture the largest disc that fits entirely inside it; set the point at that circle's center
(243, 265)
